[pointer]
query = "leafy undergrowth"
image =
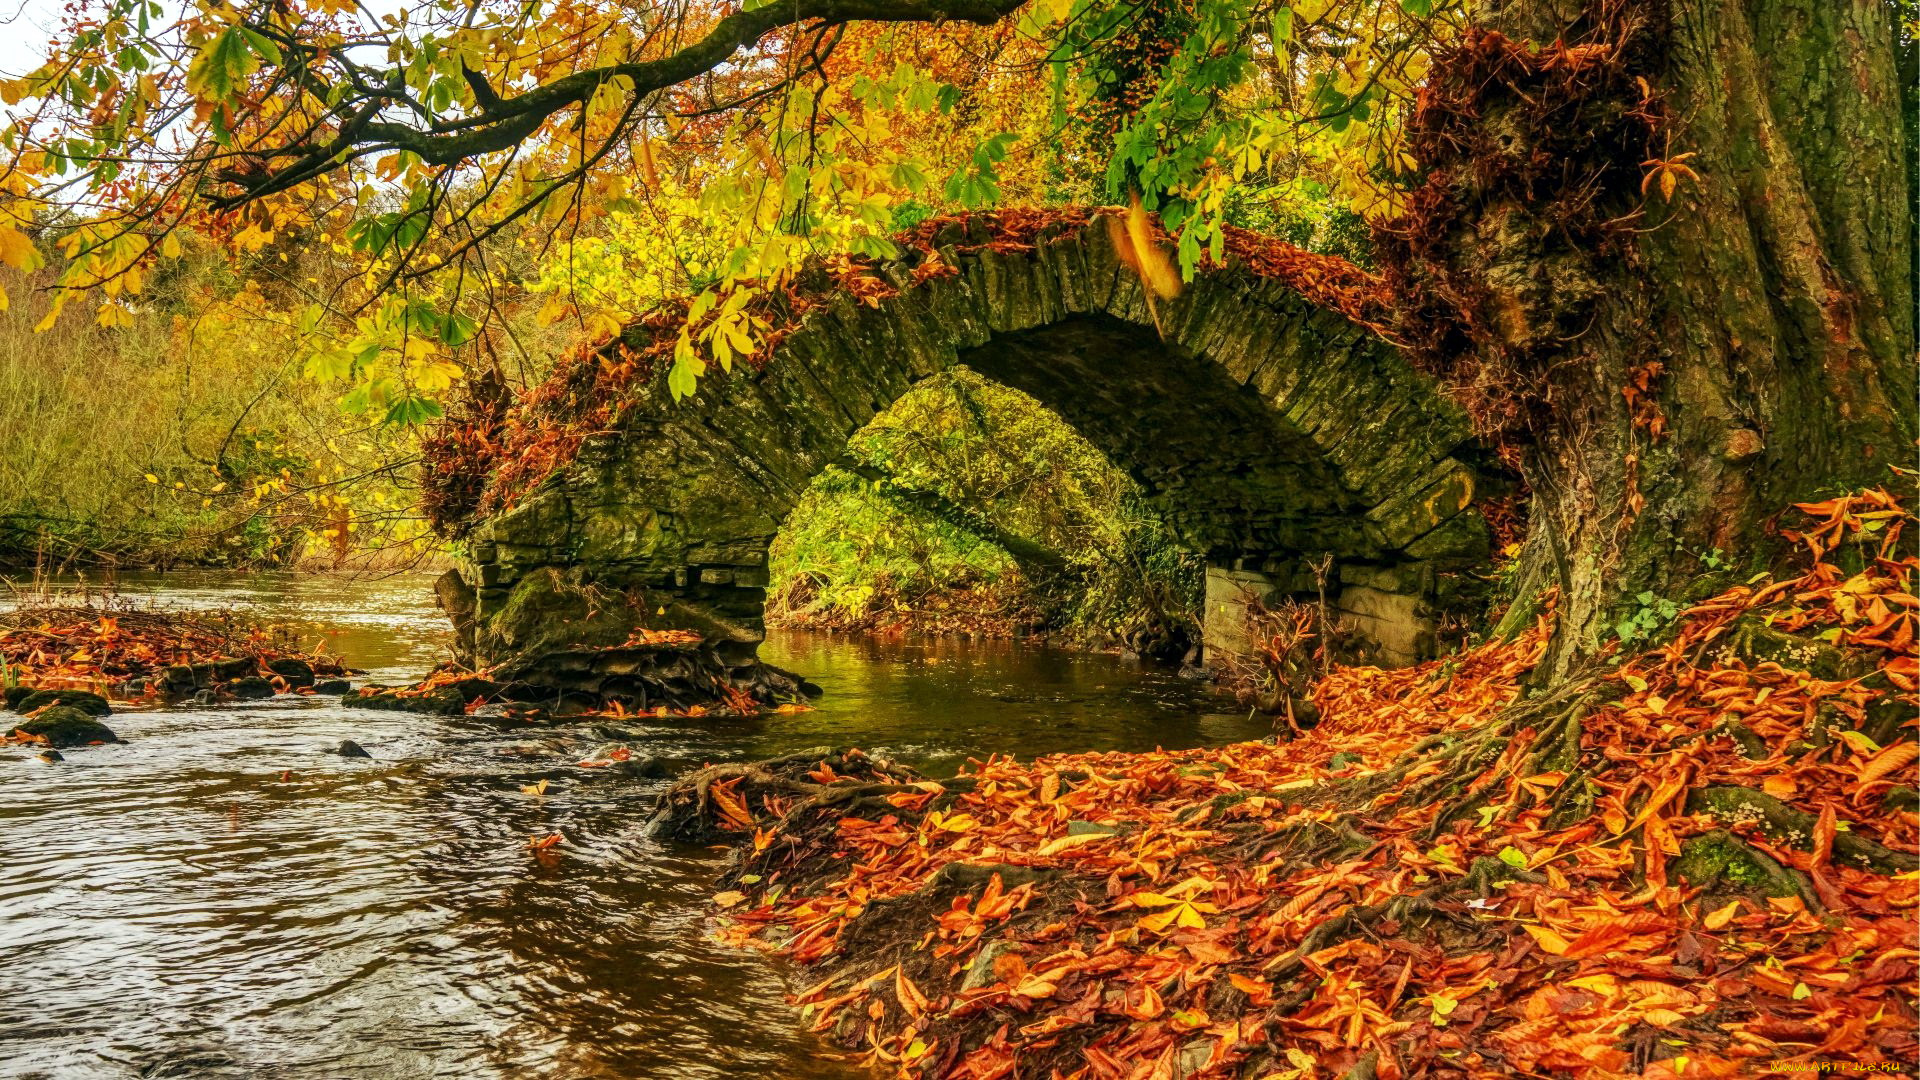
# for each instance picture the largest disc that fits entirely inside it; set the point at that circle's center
(144, 655)
(1698, 863)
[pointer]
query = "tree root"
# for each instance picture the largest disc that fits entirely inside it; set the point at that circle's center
(1787, 825)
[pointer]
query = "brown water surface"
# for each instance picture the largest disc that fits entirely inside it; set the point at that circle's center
(172, 907)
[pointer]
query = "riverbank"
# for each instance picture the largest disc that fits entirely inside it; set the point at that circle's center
(68, 661)
(1696, 862)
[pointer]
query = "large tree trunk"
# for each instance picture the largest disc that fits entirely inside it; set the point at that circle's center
(1668, 371)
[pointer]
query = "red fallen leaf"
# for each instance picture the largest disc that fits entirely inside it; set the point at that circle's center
(544, 843)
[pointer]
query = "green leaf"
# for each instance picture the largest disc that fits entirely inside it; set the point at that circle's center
(457, 329)
(224, 61)
(262, 45)
(328, 364)
(412, 410)
(1419, 9)
(1283, 25)
(1513, 857)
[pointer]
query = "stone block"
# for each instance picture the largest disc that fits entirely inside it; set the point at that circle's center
(1395, 624)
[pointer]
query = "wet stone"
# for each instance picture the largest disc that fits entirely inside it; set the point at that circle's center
(251, 688)
(298, 673)
(89, 703)
(65, 726)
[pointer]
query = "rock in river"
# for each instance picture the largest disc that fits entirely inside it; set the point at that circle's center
(89, 703)
(250, 688)
(297, 672)
(65, 726)
(349, 748)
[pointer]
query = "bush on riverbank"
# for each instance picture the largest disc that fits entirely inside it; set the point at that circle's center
(1695, 860)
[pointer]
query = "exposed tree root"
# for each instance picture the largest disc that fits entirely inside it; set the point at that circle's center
(1668, 868)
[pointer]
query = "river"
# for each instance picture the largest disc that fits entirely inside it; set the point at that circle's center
(223, 896)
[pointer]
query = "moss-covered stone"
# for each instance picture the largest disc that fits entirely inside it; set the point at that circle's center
(249, 688)
(64, 726)
(296, 672)
(90, 703)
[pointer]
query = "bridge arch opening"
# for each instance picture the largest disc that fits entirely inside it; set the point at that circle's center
(969, 507)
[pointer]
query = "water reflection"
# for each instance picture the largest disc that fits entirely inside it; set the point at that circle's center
(221, 896)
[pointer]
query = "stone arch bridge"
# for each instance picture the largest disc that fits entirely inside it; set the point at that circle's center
(1269, 431)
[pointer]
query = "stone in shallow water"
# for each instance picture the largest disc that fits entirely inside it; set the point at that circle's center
(349, 748)
(251, 688)
(297, 672)
(65, 726)
(89, 703)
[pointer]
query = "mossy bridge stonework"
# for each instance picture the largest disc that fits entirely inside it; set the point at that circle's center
(1271, 433)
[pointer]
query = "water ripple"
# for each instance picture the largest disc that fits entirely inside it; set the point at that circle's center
(223, 897)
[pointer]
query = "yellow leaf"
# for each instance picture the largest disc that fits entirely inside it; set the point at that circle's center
(152, 479)
(729, 898)
(170, 246)
(1157, 271)
(17, 250)
(1060, 844)
(1599, 984)
(1860, 743)
(1547, 939)
(1722, 916)
(957, 823)
(534, 789)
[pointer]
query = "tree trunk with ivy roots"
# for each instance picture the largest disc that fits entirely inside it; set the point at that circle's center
(1664, 253)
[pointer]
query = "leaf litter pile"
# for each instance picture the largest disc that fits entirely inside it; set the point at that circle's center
(143, 655)
(1700, 862)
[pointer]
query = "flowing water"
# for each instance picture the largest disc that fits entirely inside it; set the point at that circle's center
(223, 896)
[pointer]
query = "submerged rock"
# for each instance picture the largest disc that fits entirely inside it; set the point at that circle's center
(349, 748)
(332, 686)
(66, 726)
(89, 703)
(51, 756)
